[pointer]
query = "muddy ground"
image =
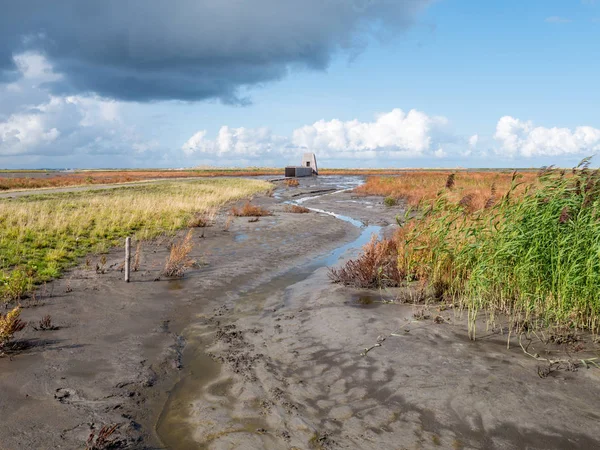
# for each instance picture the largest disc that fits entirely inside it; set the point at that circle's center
(255, 348)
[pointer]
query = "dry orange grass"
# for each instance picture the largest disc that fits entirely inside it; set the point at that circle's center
(377, 266)
(112, 177)
(250, 210)
(474, 189)
(291, 182)
(178, 258)
(297, 209)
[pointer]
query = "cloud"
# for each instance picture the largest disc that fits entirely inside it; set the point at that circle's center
(35, 123)
(236, 142)
(521, 138)
(34, 66)
(148, 50)
(473, 140)
(22, 132)
(68, 126)
(397, 134)
(440, 153)
(557, 19)
(394, 134)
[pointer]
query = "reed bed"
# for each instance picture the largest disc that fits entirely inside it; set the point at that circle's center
(41, 235)
(416, 187)
(531, 253)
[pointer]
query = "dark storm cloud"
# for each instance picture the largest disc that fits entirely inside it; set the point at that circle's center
(188, 49)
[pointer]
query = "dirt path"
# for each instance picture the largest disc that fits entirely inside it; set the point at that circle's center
(256, 349)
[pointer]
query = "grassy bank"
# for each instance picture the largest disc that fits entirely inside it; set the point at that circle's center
(41, 235)
(531, 253)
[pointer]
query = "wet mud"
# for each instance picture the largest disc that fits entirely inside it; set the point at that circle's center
(256, 349)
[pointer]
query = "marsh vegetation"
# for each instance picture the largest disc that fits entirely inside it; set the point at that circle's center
(525, 246)
(418, 187)
(41, 235)
(250, 210)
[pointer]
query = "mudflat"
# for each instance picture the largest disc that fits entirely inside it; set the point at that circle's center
(255, 348)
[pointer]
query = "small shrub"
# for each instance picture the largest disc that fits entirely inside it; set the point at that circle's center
(389, 201)
(297, 209)
(198, 221)
(45, 324)
(9, 325)
(292, 182)
(450, 181)
(14, 285)
(377, 267)
(249, 210)
(178, 257)
(104, 440)
(201, 220)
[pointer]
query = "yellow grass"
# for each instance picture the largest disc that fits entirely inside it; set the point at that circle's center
(41, 235)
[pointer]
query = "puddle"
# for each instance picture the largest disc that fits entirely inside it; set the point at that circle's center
(364, 301)
(173, 424)
(368, 301)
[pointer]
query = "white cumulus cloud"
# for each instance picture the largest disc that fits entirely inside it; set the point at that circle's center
(395, 133)
(236, 142)
(473, 140)
(33, 122)
(517, 137)
(34, 66)
(21, 132)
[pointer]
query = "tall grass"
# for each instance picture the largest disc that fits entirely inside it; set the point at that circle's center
(533, 256)
(531, 253)
(43, 234)
(178, 259)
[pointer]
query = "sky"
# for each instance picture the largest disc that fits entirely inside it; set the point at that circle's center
(362, 83)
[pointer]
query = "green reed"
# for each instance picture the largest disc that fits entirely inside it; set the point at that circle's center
(534, 256)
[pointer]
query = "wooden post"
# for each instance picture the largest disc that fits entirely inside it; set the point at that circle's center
(127, 258)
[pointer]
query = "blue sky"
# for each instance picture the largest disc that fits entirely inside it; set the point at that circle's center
(440, 84)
